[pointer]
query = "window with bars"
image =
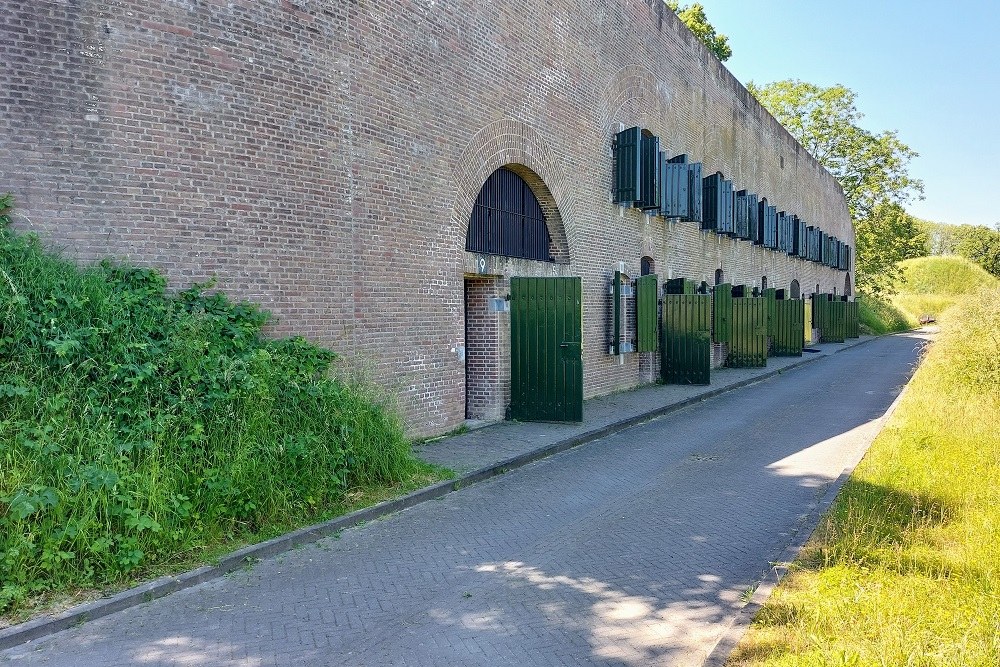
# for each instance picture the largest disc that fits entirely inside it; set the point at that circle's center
(507, 220)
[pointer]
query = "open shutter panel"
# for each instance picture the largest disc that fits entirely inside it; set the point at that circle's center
(674, 202)
(741, 215)
(695, 184)
(782, 230)
(803, 240)
(752, 217)
(711, 186)
(718, 207)
(727, 226)
(759, 233)
(770, 215)
(628, 166)
(649, 181)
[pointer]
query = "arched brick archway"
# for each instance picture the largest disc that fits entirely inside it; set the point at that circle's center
(518, 147)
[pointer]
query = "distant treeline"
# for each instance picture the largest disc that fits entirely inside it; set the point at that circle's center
(978, 244)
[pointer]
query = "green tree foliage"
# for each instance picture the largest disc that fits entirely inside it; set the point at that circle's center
(884, 238)
(974, 242)
(873, 170)
(693, 16)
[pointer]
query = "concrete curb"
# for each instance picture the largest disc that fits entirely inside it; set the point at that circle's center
(44, 626)
(740, 623)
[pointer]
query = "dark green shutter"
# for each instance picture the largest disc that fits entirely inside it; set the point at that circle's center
(649, 173)
(628, 166)
(646, 316)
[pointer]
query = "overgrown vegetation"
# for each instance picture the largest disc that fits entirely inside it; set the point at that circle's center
(694, 17)
(139, 428)
(879, 316)
(905, 568)
(931, 285)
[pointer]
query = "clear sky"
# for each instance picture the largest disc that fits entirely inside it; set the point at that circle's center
(931, 71)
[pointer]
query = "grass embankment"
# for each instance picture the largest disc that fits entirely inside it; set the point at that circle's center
(880, 316)
(905, 568)
(142, 432)
(933, 284)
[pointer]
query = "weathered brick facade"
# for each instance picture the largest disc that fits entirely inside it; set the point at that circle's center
(322, 157)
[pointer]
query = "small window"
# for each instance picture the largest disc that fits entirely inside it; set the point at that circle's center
(763, 282)
(794, 289)
(720, 277)
(646, 266)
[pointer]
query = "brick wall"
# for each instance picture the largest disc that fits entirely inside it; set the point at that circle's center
(322, 158)
(487, 362)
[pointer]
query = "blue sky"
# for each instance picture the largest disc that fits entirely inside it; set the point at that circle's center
(931, 71)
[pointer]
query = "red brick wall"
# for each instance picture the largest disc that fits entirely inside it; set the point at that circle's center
(322, 157)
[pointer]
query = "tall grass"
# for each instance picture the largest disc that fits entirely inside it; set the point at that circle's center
(137, 426)
(905, 568)
(879, 316)
(931, 285)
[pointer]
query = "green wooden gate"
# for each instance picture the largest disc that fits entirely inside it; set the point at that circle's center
(770, 298)
(830, 317)
(790, 318)
(853, 323)
(686, 349)
(546, 364)
(722, 313)
(748, 338)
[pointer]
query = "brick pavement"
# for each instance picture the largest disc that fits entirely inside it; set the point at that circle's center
(635, 549)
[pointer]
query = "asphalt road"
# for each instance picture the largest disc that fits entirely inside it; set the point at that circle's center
(637, 549)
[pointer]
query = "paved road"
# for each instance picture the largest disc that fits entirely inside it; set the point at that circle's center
(632, 550)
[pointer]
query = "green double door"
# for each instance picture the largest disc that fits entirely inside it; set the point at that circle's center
(546, 351)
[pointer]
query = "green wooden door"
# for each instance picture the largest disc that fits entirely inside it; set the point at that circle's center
(770, 300)
(686, 349)
(748, 333)
(546, 363)
(722, 313)
(790, 322)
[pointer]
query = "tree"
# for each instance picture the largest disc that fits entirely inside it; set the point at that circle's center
(981, 245)
(693, 16)
(873, 169)
(883, 239)
(974, 242)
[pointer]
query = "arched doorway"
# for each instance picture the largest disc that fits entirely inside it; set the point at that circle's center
(794, 289)
(848, 291)
(507, 225)
(720, 276)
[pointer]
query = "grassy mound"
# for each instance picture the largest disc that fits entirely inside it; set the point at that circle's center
(905, 568)
(931, 285)
(138, 427)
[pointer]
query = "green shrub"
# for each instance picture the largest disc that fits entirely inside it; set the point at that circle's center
(879, 316)
(137, 425)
